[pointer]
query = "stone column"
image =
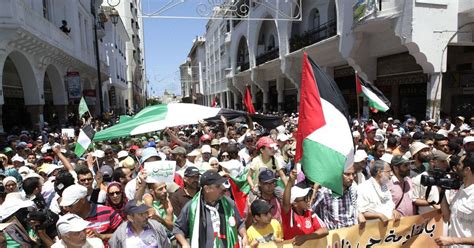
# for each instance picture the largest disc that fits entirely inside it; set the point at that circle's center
(1, 118)
(36, 115)
(265, 99)
(281, 93)
(228, 96)
(433, 96)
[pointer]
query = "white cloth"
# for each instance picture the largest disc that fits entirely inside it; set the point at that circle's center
(462, 215)
(90, 243)
(234, 167)
(47, 146)
(244, 154)
(374, 199)
(130, 189)
(419, 192)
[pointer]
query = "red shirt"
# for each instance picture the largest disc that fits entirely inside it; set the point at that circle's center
(302, 224)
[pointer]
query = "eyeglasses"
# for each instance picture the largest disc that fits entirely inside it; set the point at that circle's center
(87, 179)
(214, 164)
(115, 193)
(225, 156)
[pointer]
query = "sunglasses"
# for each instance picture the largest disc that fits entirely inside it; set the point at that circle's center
(115, 193)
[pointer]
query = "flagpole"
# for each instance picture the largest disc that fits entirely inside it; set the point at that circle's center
(358, 101)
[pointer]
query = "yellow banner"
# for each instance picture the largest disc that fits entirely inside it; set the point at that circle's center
(413, 231)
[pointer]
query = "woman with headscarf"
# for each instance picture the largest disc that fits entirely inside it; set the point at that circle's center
(116, 198)
(11, 185)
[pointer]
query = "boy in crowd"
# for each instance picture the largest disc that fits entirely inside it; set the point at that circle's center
(264, 229)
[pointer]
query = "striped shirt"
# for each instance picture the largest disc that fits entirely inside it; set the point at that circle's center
(337, 211)
(103, 219)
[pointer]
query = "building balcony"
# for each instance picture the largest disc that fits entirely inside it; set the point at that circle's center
(267, 56)
(16, 14)
(309, 37)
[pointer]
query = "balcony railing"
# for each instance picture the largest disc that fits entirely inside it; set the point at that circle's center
(243, 65)
(269, 55)
(309, 37)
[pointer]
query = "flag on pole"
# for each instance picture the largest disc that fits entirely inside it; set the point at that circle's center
(84, 140)
(82, 107)
(248, 101)
(377, 101)
(324, 144)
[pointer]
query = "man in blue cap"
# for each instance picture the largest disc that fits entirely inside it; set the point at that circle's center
(148, 155)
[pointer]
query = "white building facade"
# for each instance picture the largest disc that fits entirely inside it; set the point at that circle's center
(36, 58)
(116, 88)
(130, 13)
(417, 52)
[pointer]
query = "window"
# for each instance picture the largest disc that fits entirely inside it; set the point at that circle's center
(46, 9)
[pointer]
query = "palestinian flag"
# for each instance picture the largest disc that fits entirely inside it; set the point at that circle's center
(240, 189)
(248, 101)
(377, 101)
(324, 145)
(84, 140)
(158, 117)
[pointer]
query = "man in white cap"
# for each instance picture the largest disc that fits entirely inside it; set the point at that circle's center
(72, 233)
(360, 166)
(223, 143)
(468, 144)
(104, 220)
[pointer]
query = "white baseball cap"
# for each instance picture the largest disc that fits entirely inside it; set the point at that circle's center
(73, 194)
(18, 158)
(206, 149)
(297, 192)
(468, 139)
(193, 153)
(387, 157)
(122, 154)
(359, 156)
(223, 140)
(282, 137)
(71, 223)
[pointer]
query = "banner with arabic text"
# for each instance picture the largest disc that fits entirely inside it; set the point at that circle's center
(413, 231)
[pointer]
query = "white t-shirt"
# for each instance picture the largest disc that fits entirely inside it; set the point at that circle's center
(462, 215)
(90, 243)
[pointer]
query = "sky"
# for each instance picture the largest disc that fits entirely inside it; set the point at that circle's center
(167, 43)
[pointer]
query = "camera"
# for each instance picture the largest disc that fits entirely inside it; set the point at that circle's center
(440, 178)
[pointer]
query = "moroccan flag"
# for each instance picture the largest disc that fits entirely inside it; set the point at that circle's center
(84, 140)
(240, 189)
(377, 101)
(248, 101)
(82, 107)
(324, 141)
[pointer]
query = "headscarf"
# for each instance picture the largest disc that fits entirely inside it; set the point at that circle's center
(119, 208)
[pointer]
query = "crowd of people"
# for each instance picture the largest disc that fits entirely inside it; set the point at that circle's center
(50, 197)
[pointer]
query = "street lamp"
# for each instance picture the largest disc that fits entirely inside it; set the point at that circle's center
(114, 16)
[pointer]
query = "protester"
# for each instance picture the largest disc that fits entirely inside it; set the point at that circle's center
(185, 194)
(116, 198)
(401, 186)
(104, 220)
(265, 228)
(374, 200)
(72, 233)
(139, 230)
(209, 218)
(339, 211)
(299, 222)
(459, 211)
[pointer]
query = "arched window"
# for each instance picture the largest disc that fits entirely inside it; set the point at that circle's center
(314, 21)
